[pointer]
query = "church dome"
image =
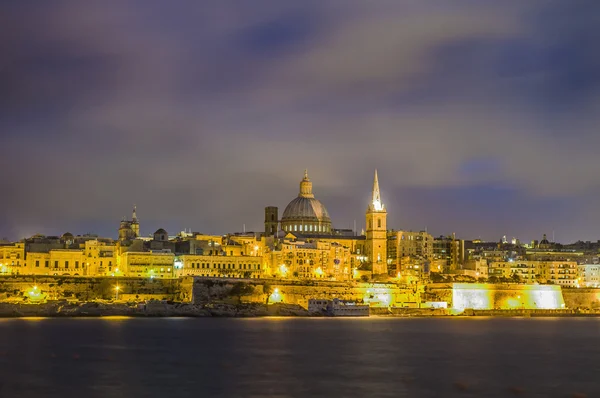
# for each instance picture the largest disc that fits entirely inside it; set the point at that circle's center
(305, 214)
(306, 208)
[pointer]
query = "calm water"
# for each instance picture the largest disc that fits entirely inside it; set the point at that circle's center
(299, 357)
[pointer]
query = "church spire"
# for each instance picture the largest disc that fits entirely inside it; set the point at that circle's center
(376, 201)
(134, 214)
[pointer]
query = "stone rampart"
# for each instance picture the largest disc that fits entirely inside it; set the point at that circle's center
(18, 288)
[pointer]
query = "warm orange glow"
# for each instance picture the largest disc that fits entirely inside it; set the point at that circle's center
(276, 296)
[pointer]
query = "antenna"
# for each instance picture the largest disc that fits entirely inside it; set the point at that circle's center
(354, 227)
(553, 241)
(244, 228)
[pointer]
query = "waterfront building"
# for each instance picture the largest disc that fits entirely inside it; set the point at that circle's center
(148, 264)
(588, 275)
(563, 273)
(12, 258)
(226, 266)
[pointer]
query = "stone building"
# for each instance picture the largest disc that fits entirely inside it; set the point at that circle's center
(376, 233)
(407, 248)
(12, 258)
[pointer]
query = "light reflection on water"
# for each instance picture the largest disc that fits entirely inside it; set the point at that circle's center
(281, 357)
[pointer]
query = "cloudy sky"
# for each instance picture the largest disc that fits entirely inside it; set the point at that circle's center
(482, 117)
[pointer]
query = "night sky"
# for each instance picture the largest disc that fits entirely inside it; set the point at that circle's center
(482, 117)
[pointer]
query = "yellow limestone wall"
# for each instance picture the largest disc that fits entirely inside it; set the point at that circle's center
(489, 296)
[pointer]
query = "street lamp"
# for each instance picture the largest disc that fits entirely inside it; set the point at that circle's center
(117, 288)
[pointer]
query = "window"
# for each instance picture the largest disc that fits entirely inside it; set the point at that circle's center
(66, 264)
(37, 263)
(370, 224)
(295, 227)
(76, 264)
(56, 264)
(379, 223)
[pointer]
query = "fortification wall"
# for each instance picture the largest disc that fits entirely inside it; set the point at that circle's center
(16, 288)
(582, 298)
(377, 294)
(484, 296)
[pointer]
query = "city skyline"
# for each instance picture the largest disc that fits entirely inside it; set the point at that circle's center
(359, 227)
(484, 125)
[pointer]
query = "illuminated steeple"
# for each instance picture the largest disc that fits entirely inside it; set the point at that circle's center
(376, 204)
(376, 234)
(134, 215)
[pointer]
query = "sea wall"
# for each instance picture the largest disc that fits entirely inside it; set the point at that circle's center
(483, 296)
(279, 291)
(582, 298)
(19, 288)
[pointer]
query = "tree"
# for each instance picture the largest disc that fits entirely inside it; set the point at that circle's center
(208, 283)
(493, 279)
(436, 277)
(241, 289)
(267, 290)
(364, 278)
(516, 278)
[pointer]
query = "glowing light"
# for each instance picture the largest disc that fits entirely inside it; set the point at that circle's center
(35, 295)
(377, 205)
(275, 297)
(378, 297)
(283, 270)
(399, 275)
(319, 272)
(354, 273)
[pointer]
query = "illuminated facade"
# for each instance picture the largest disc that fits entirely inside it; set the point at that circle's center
(563, 273)
(323, 259)
(149, 264)
(12, 258)
(588, 275)
(407, 249)
(233, 266)
(376, 233)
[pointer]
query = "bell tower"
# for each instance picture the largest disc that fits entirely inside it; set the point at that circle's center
(271, 220)
(376, 239)
(135, 225)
